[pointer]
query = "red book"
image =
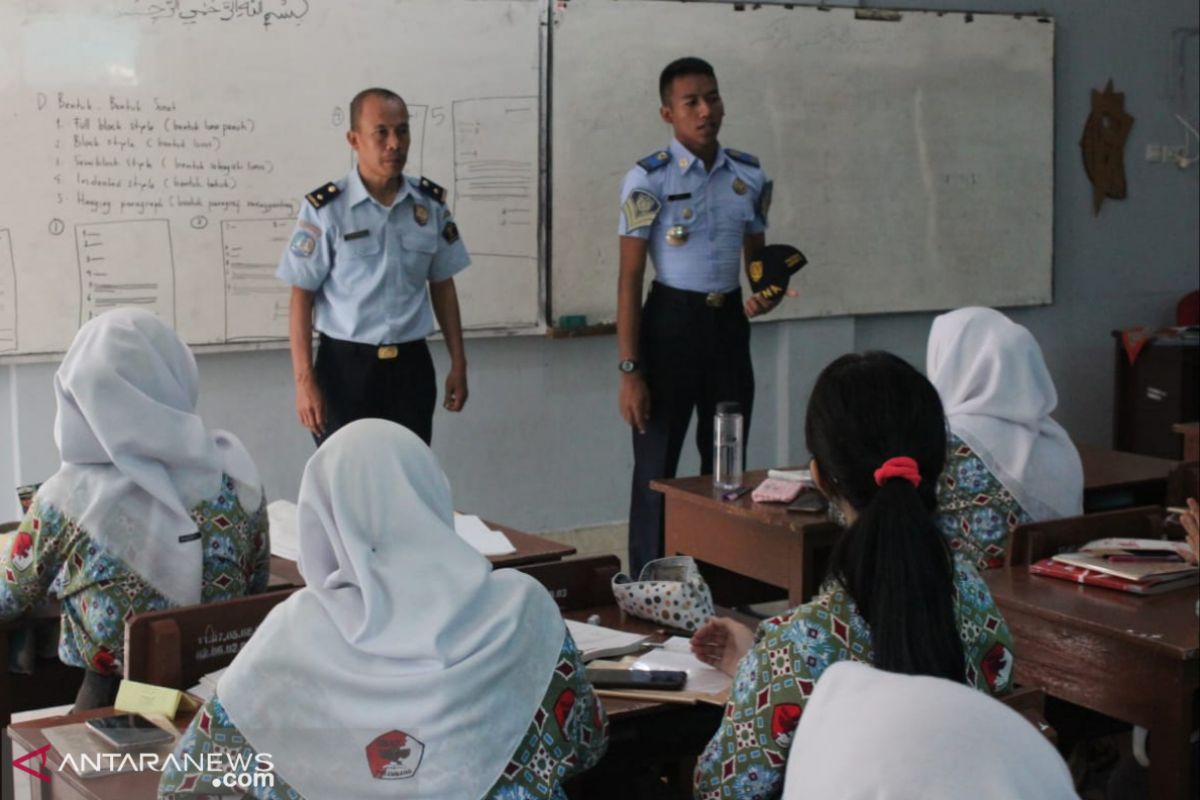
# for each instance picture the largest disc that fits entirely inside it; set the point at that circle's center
(1057, 569)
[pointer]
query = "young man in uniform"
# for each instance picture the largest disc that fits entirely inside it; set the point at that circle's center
(363, 251)
(696, 209)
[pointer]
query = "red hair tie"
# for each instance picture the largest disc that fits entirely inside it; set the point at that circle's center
(898, 467)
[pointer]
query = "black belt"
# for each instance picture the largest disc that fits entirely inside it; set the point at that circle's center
(713, 300)
(381, 351)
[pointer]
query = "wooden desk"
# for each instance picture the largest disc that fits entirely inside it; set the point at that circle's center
(1133, 658)
(764, 541)
(624, 717)
(530, 550)
(65, 784)
(1113, 479)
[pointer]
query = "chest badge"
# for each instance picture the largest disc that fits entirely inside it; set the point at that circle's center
(739, 186)
(687, 213)
(677, 235)
(420, 214)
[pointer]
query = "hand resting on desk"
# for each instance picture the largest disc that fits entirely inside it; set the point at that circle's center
(721, 643)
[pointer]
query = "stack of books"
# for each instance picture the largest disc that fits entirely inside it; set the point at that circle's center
(1140, 566)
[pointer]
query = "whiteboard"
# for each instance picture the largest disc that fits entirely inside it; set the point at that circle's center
(155, 152)
(912, 159)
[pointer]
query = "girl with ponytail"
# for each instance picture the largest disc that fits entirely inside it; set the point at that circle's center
(895, 596)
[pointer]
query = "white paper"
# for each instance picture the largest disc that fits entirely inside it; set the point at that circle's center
(596, 641)
(481, 537)
(795, 475)
(676, 654)
(285, 533)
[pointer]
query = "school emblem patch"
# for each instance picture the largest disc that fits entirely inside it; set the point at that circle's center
(394, 755)
(303, 244)
(997, 666)
(22, 551)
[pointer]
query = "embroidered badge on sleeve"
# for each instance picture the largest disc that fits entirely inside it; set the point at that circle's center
(641, 209)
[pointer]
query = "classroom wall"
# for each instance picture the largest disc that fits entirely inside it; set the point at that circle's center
(541, 446)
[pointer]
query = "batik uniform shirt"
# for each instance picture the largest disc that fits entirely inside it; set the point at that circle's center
(52, 555)
(975, 512)
(567, 735)
(747, 758)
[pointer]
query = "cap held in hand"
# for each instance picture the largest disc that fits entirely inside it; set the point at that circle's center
(774, 267)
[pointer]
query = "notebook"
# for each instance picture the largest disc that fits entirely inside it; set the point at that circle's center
(1055, 568)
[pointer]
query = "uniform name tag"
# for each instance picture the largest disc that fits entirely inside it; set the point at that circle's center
(350, 237)
(683, 196)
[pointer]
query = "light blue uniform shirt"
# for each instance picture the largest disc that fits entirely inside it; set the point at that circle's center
(715, 209)
(369, 264)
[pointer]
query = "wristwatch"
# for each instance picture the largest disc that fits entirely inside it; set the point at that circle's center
(628, 365)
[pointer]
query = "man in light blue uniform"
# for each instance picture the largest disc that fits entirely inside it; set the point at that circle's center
(697, 210)
(363, 251)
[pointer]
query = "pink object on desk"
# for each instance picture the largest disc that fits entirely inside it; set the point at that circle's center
(773, 490)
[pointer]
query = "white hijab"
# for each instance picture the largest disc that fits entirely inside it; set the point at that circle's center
(402, 627)
(998, 395)
(867, 734)
(135, 457)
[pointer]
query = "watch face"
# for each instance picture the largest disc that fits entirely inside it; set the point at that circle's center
(628, 365)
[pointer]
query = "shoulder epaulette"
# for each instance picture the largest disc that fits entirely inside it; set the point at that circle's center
(745, 158)
(654, 161)
(432, 189)
(322, 195)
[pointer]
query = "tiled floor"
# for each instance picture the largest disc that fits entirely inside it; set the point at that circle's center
(596, 540)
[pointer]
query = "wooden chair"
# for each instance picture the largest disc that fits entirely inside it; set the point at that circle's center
(1183, 482)
(177, 646)
(1030, 703)
(1037, 540)
(579, 582)
(52, 683)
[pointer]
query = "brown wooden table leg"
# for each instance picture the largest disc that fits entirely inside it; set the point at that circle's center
(1170, 746)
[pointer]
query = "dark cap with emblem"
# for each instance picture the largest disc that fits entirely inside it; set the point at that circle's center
(774, 267)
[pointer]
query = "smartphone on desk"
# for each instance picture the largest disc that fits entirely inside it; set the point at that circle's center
(128, 731)
(809, 500)
(656, 679)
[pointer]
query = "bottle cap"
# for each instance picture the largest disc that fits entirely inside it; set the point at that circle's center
(729, 407)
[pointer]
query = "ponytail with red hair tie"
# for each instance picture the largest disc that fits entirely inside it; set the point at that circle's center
(898, 467)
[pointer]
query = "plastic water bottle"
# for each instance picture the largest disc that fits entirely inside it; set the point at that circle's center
(727, 446)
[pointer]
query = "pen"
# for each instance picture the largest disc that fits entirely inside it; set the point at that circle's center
(734, 494)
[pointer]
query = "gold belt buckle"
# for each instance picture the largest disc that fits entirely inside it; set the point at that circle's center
(714, 300)
(388, 351)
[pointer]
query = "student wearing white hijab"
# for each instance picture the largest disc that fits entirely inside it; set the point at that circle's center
(1007, 461)
(406, 667)
(150, 509)
(867, 734)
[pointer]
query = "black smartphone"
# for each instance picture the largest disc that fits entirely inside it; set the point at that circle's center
(657, 679)
(128, 730)
(809, 500)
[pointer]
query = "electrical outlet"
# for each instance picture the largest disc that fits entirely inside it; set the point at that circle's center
(1174, 153)
(1154, 153)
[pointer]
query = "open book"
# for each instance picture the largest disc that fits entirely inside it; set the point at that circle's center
(595, 641)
